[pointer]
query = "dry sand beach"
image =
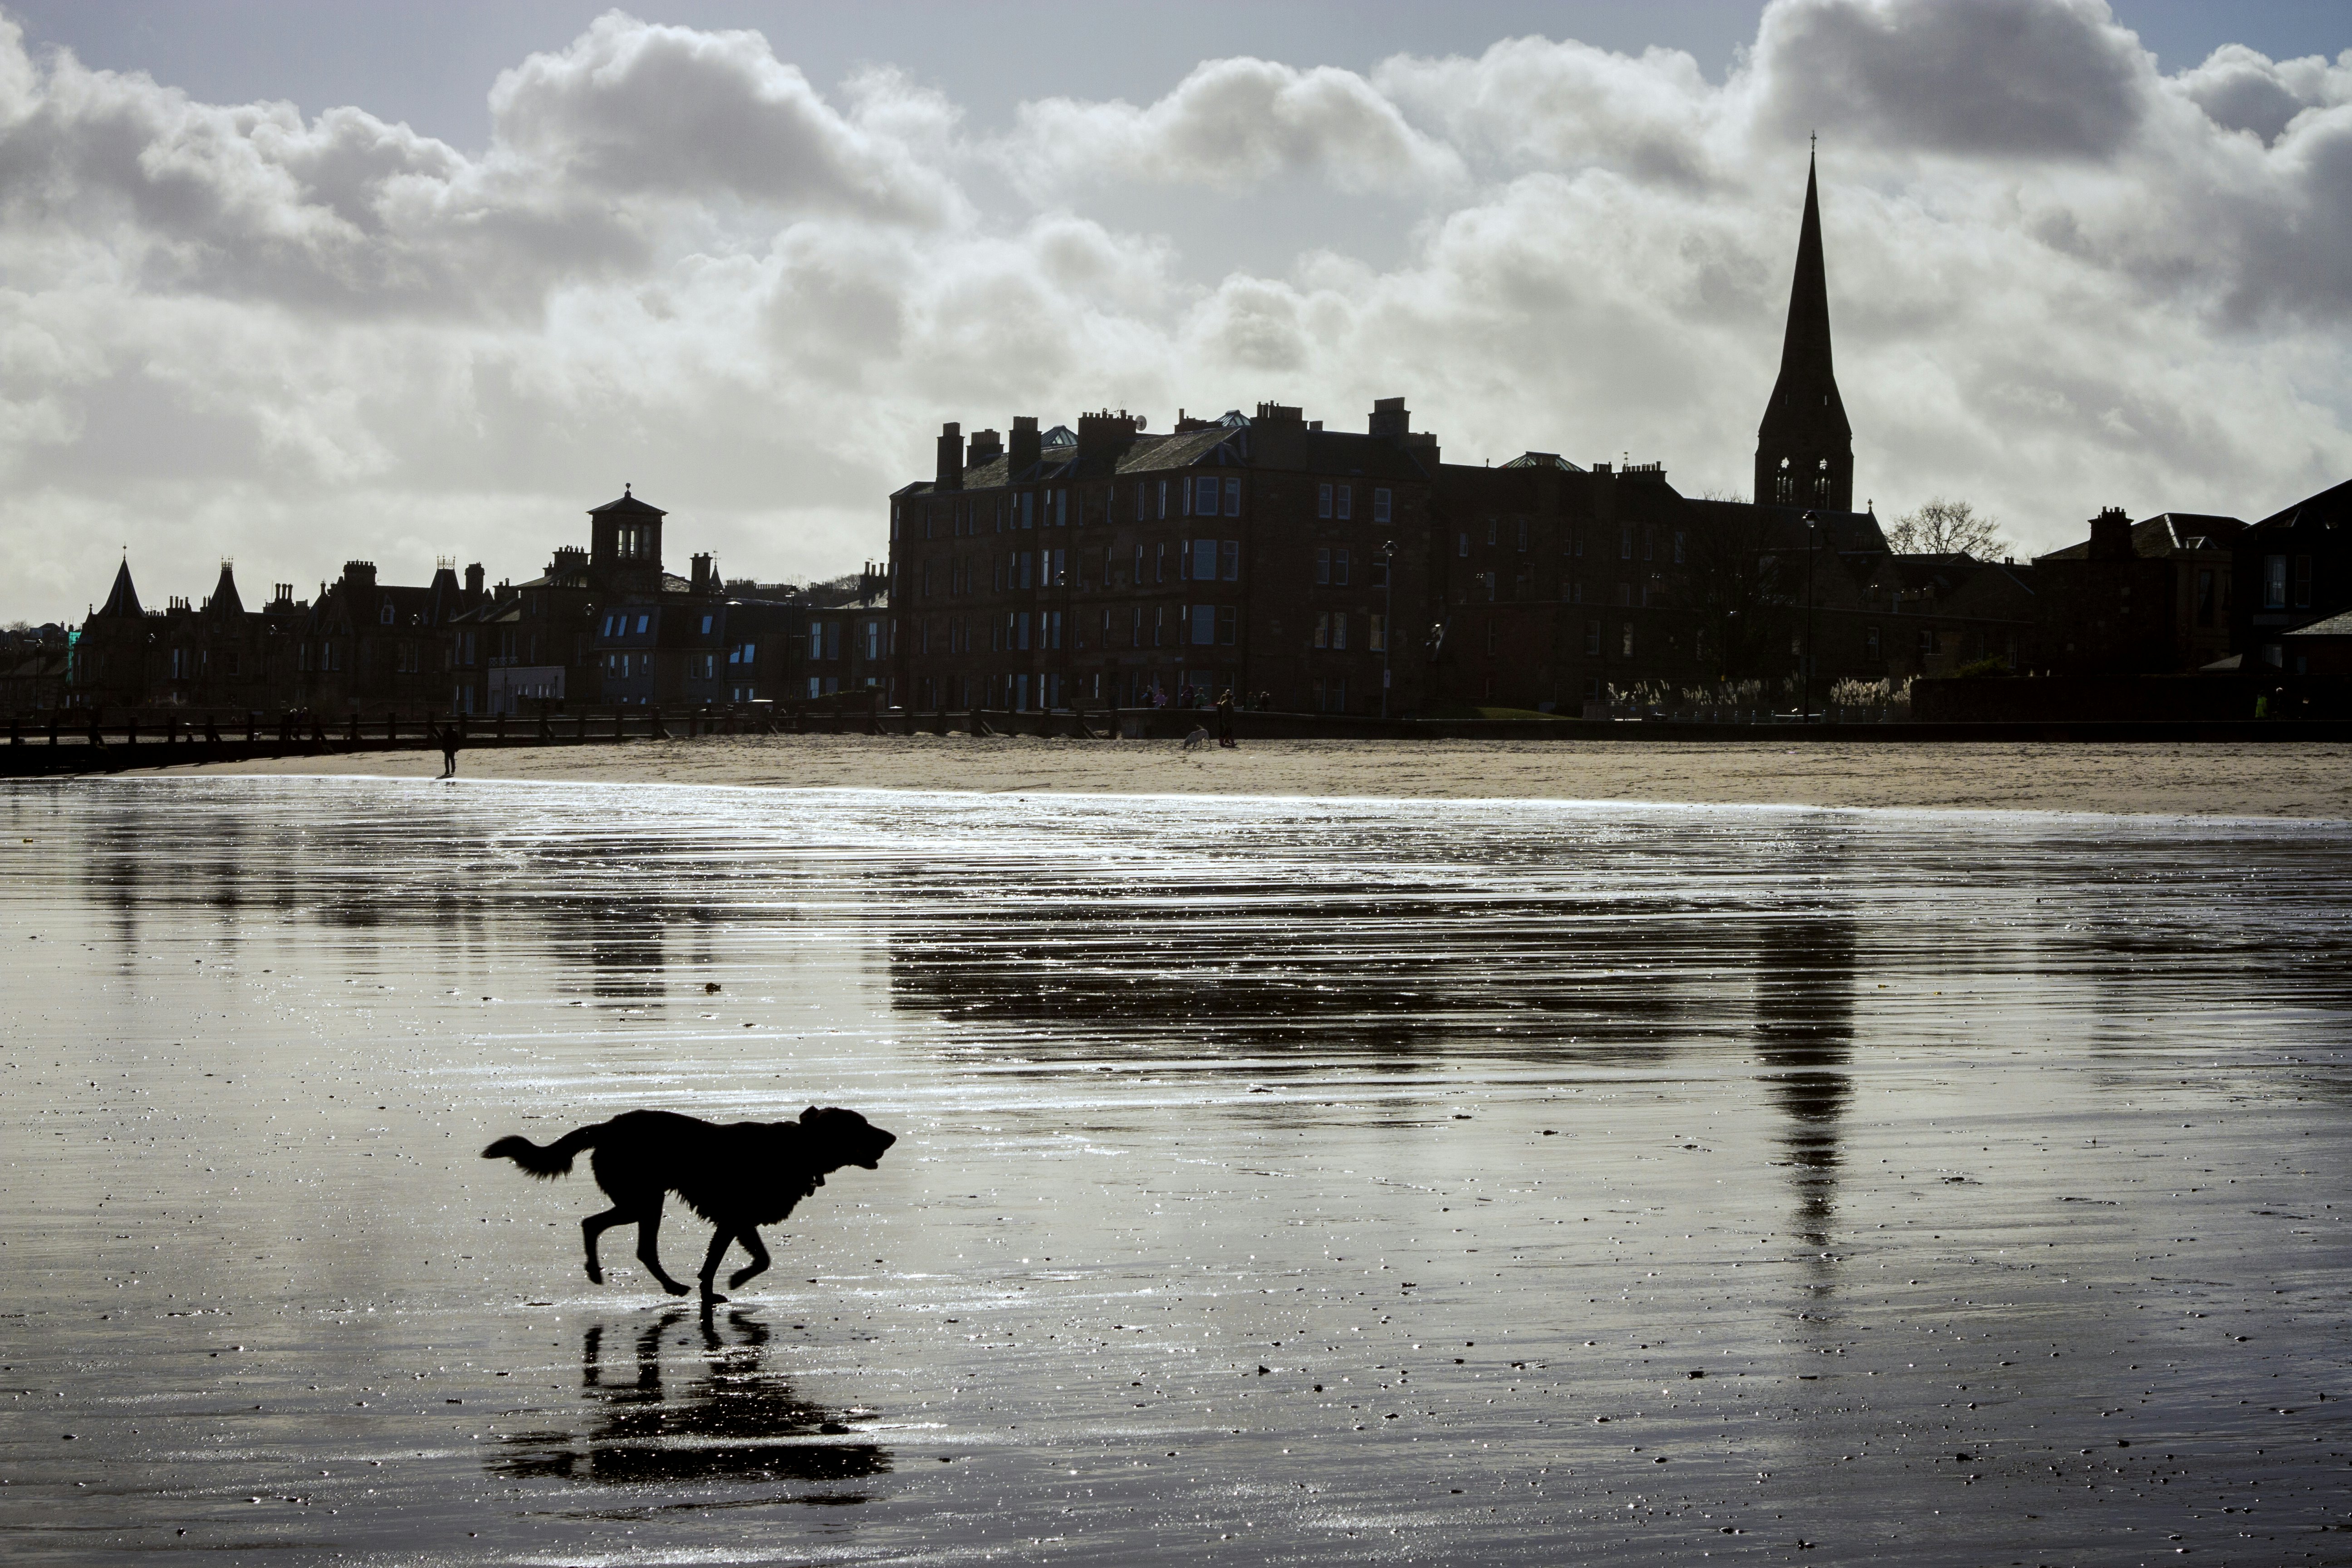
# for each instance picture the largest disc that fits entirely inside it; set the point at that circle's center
(2272, 780)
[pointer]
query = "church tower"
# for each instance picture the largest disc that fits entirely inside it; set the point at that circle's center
(1804, 449)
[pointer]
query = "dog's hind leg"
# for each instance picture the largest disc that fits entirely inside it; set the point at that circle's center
(750, 1237)
(648, 1234)
(595, 1226)
(720, 1237)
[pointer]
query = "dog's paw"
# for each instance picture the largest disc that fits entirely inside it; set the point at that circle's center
(711, 1298)
(674, 1288)
(596, 1274)
(735, 1280)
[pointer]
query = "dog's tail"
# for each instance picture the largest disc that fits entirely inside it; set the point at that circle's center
(555, 1159)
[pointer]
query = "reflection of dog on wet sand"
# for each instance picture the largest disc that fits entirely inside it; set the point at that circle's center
(737, 1176)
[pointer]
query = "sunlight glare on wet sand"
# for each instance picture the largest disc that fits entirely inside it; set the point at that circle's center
(1302, 1181)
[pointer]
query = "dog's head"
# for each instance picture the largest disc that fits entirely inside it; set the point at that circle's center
(837, 1138)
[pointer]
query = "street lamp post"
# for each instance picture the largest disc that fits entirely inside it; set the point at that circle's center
(1813, 570)
(1388, 617)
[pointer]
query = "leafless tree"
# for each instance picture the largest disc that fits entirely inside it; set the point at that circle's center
(1943, 527)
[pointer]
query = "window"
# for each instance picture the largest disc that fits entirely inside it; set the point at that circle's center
(816, 639)
(1061, 568)
(1870, 641)
(2302, 581)
(1322, 570)
(1344, 498)
(1204, 498)
(1135, 632)
(2205, 596)
(1204, 560)
(1486, 580)
(1228, 625)
(1028, 568)
(1492, 628)
(1323, 628)
(1228, 560)
(1233, 497)
(1491, 526)
(706, 625)
(1160, 562)
(1625, 641)
(1204, 624)
(1162, 510)
(1322, 500)
(1523, 535)
(833, 639)
(1140, 490)
(2273, 582)
(643, 622)
(1678, 547)
(1593, 640)
(1926, 642)
(384, 616)
(1051, 623)
(1649, 544)
(1625, 542)
(1021, 631)
(608, 627)
(1340, 628)
(1625, 593)
(1381, 506)
(1340, 567)
(874, 640)
(1462, 543)
(1377, 634)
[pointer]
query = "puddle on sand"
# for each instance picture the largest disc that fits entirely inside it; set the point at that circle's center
(1312, 1181)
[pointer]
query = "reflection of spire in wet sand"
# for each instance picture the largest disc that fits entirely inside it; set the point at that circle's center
(736, 1422)
(1804, 1029)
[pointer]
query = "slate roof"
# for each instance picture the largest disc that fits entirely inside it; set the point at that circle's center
(2164, 534)
(2336, 625)
(1224, 444)
(124, 599)
(2329, 509)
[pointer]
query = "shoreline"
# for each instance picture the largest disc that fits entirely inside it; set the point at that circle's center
(2185, 780)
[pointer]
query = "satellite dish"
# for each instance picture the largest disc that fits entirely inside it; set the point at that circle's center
(1138, 422)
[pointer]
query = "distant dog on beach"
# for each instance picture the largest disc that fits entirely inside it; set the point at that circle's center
(738, 1176)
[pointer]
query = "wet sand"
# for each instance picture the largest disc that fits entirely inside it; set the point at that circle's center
(2229, 780)
(1309, 1181)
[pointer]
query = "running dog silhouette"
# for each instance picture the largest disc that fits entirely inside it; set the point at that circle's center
(737, 1176)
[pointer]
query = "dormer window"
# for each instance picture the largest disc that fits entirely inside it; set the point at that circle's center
(385, 615)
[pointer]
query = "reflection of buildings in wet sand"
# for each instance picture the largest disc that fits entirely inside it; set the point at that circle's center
(734, 1422)
(1804, 970)
(1350, 969)
(474, 893)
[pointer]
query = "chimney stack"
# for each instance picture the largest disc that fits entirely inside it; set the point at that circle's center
(986, 447)
(950, 474)
(474, 581)
(702, 574)
(1391, 419)
(1106, 432)
(1026, 448)
(359, 575)
(2111, 535)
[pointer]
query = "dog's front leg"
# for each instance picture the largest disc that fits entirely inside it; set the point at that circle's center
(750, 1237)
(720, 1237)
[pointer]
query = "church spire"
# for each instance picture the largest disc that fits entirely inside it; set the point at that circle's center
(1804, 447)
(124, 600)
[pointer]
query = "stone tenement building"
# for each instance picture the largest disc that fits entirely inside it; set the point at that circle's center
(1359, 572)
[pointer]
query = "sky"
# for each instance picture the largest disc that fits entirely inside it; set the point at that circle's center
(297, 284)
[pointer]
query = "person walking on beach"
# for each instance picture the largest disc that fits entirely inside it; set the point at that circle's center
(449, 744)
(1225, 720)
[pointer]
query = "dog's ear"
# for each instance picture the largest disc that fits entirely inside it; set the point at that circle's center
(810, 1114)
